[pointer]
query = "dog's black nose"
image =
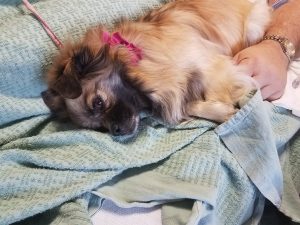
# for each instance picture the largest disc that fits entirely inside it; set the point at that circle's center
(125, 128)
(116, 130)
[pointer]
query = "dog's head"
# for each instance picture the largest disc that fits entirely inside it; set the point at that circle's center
(89, 84)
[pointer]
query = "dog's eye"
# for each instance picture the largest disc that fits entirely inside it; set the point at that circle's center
(98, 104)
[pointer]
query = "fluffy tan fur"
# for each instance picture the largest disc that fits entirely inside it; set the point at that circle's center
(186, 68)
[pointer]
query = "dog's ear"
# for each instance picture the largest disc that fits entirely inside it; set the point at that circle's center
(81, 60)
(68, 84)
(55, 102)
(88, 61)
(73, 66)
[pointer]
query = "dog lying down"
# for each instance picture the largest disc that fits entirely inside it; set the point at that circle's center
(175, 62)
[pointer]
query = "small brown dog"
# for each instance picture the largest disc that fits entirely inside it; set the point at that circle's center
(175, 62)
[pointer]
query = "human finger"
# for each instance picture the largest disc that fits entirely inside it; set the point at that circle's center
(247, 65)
(275, 96)
(270, 93)
(262, 80)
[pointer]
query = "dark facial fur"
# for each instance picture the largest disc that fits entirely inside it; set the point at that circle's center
(93, 91)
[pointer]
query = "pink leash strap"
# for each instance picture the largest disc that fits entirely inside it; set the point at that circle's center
(53, 37)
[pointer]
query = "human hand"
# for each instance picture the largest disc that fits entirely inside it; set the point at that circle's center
(268, 65)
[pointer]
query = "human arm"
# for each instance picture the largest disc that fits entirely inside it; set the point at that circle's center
(286, 22)
(266, 62)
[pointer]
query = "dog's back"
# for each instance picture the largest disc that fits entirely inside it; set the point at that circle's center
(182, 41)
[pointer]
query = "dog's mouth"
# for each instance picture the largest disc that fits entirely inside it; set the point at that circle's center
(128, 127)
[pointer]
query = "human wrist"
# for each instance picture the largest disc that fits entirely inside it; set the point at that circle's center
(285, 22)
(276, 49)
(288, 48)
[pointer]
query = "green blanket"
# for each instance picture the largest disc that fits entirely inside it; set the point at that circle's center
(55, 173)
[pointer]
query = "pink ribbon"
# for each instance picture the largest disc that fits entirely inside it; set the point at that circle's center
(116, 39)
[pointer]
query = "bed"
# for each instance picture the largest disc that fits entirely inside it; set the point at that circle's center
(195, 173)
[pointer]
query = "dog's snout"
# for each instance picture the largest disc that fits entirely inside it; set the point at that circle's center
(122, 119)
(127, 127)
(116, 130)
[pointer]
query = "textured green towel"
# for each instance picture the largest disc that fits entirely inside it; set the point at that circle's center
(52, 173)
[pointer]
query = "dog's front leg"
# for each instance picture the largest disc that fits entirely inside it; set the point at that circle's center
(211, 110)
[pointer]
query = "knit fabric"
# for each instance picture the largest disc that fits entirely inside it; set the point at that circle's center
(53, 172)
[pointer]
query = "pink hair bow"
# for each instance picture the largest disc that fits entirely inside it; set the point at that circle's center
(117, 39)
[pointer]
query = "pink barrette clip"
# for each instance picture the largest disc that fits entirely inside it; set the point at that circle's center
(117, 39)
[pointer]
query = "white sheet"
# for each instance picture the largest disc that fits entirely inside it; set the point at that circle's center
(110, 214)
(291, 97)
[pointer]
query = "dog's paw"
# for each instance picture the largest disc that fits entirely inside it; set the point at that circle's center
(245, 98)
(211, 110)
(229, 114)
